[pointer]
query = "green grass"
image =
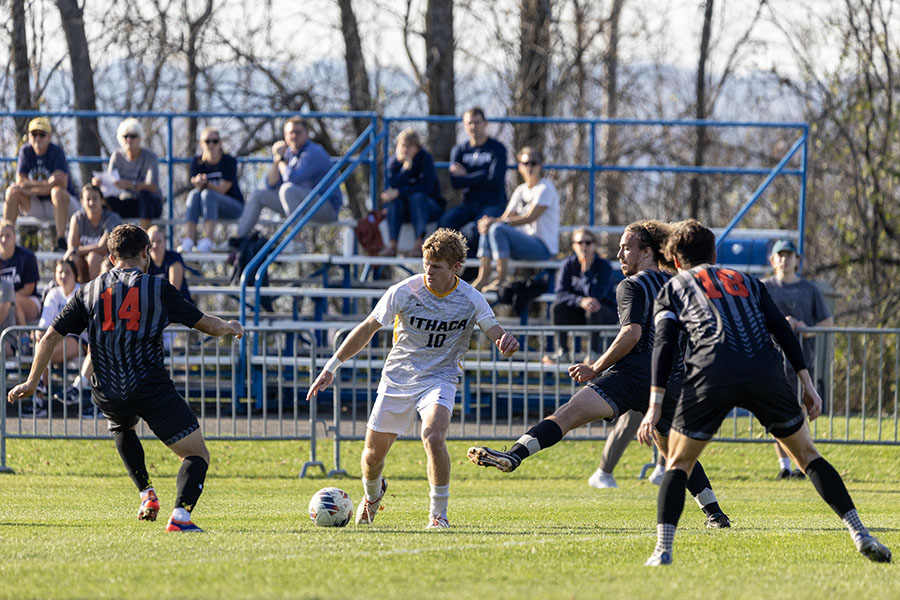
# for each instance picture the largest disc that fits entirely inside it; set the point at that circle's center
(67, 529)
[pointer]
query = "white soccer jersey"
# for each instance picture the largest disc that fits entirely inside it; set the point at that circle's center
(431, 332)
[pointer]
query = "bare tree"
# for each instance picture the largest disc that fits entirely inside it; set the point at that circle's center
(531, 97)
(88, 134)
(697, 201)
(610, 208)
(19, 55)
(195, 28)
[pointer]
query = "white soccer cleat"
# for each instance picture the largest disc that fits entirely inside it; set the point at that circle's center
(872, 549)
(657, 475)
(602, 480)
(438, 522)
(659, 559)
(365, 512)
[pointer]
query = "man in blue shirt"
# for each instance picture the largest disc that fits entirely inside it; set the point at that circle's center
(478, 167)
(43, 188)
(298, 164)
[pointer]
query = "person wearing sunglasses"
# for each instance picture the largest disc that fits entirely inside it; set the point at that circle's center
(527, 230)
(43, 187)
(137, 171)
(216, 194)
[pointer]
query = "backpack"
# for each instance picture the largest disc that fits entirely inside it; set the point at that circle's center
(246, 250)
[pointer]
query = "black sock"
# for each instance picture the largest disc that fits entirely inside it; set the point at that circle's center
(697, 483)
(132, 453)
(830, 486)
(189, 484)
(546, 433)
(670, 503)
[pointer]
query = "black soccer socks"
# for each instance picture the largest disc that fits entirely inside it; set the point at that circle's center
(830, 486)
(543, 435)
(670, 502)
(701, 489)
(189, 484)
(132, 453)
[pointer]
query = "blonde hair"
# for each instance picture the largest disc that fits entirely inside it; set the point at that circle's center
(447, 245)
(410, 136)
(129, 125)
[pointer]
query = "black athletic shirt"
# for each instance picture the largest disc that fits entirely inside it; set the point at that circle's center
(125, 312)
(634, 296)
(727, 316)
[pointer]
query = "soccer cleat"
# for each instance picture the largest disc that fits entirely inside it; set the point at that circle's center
(70, 397)
(717, 521)
(486, 457)
(872, 549)
(365, 512)
(601, 480)
(784, 474)
(658, 559)
(149, 506)
(657, 475)
(798, 474)
(438, 522)
(185, 526)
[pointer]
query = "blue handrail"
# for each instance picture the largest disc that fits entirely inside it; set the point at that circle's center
(300, 216)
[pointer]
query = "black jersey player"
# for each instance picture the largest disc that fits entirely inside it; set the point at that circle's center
(618, 381)
(730, 319)
(125, 311)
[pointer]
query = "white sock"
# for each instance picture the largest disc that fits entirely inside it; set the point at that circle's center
(854, 524)
(665, 536)
(785, 463)
(146, 492)
(440, 496)
(81, 382)
(707, 496)
(372, 488)
(181, 514)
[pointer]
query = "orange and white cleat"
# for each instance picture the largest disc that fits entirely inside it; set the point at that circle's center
(438, 522)
(365, 512)
(185, 526)
(149, 505)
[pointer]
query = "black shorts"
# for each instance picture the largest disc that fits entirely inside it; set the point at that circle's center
(167, 414)
(625, 391)
(701, 412)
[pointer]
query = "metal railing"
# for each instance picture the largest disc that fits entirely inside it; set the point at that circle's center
(498, 398)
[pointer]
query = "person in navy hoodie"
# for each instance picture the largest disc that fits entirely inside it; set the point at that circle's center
(413, 193)
(478, 167)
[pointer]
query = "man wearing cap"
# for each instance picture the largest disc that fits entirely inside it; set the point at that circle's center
(804, 306)
(43, 188)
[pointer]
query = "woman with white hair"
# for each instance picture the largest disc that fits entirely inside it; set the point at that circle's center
(138, 176)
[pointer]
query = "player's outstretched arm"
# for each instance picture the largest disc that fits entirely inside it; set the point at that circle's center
(42, 356)
(214, 326)
(811, 399)
(628, 336)
(505, 342)
(356, 341)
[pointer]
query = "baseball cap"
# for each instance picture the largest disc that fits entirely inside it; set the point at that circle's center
(784, 246)
(40, 124)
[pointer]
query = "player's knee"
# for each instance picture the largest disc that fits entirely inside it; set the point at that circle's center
(433, 436)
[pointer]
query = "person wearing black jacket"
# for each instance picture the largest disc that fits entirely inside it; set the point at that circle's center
(585, 293)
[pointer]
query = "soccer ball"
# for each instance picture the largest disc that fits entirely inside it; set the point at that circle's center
(330, 507)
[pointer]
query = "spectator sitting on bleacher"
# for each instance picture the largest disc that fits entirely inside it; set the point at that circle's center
(88, 231)
(298, 165)
(478, 167)
(585, 294)
(43, 187)
(413, 193)
(216, 194)
(136, 173)
(19, 266)
(528, 229)
(167, 264)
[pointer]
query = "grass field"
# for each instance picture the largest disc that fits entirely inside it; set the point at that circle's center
(67, 529)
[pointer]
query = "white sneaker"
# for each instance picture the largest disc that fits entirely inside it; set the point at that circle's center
(205, 245)
(187, 244)
(656, 476)
(367, 509)
(438, 521)
(602, 480)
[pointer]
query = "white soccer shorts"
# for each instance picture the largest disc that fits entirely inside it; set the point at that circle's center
(395, 413)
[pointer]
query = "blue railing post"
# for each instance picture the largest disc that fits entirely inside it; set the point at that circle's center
(170, 154)
(592, 176)
(801, 222)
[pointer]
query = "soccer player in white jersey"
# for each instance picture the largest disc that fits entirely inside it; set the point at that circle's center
(433, 315)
